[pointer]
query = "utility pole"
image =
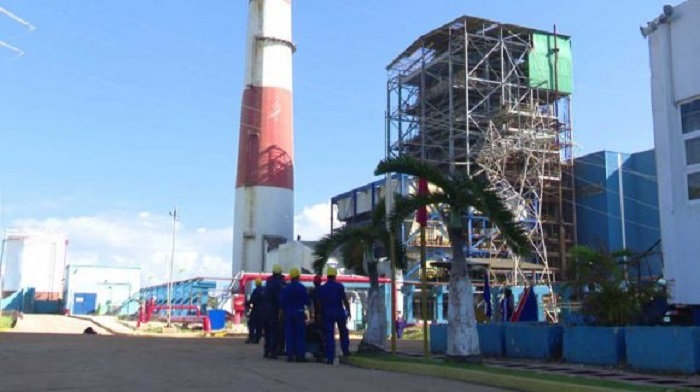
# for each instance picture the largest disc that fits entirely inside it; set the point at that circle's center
(173, 214)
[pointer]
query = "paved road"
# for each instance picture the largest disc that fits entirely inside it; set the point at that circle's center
(40, 362)
(40, 323)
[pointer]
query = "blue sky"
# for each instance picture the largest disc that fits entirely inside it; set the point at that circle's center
(122, 109)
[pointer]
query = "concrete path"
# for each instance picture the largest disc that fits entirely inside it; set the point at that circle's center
(42, 323)
(39, 362)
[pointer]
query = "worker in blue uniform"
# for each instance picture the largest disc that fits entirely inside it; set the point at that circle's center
(315, 329)
(336, 311)
(294, 302)
(271, 307)
(255, 313)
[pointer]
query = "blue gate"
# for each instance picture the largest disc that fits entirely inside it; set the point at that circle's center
(84, 303)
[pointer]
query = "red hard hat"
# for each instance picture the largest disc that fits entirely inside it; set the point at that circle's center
(317, 280)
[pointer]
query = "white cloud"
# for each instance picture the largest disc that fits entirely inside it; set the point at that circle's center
(313, 222)
(144, 240)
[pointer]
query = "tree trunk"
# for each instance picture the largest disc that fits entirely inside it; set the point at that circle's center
(374, 338)
(462, 336)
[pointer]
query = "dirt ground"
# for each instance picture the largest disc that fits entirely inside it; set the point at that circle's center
(40, 323)
(43, 362)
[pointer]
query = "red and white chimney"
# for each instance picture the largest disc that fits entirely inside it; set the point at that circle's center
(264, 207)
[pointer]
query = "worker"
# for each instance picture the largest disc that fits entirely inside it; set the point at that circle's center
(313, 296)
(336, 311)
(294, 301)
(254, 306)
(315, 330)
(271, 306)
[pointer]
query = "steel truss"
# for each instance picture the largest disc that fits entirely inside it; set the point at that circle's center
(460, 98)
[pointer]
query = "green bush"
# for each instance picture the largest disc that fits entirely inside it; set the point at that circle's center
(607, 294)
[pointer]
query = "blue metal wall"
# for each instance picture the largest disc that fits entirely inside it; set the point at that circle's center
(614, 187)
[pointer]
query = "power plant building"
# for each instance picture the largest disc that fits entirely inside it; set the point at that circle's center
(493, 100)
(617, 207)
(674, 52)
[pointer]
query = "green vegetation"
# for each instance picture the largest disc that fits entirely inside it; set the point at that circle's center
(608, 295)
(521, 380)
(5, 322)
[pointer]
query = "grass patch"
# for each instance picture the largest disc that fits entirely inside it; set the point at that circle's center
(5, 322)
(413, 333)
(524, 380)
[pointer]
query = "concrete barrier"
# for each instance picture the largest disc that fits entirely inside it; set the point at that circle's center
(533, 341)
(492, 339)
(438, 338)
(664, 349)
(594, 345)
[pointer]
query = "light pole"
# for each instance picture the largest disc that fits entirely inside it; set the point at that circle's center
(172, 213)
(2, 259)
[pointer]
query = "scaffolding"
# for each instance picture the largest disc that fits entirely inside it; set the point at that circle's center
(493, 100)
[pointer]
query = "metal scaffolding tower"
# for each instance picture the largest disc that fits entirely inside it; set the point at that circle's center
(493, 100)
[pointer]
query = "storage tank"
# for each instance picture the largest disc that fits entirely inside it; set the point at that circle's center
(34, 260)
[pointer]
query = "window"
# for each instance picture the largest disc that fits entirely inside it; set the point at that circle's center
(692, 151)
(690, 116)
(694, 186)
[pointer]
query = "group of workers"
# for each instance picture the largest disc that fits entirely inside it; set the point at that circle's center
(281, 312)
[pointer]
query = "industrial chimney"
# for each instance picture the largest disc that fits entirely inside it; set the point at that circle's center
(264, 208)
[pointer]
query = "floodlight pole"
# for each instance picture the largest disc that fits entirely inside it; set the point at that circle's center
(173, 213)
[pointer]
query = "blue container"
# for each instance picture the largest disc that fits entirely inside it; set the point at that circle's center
(492, 339)
(217, 319)
(664, 349)
(533, 340)
(594, 345)
(438, 338)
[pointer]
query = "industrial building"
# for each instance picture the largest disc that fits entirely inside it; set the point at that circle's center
(93, 289)
(31, 271)
(674, 51)
(493, 100)
(617, 206)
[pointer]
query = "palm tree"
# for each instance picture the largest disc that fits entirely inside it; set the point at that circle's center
(456, 193)
(357, 245)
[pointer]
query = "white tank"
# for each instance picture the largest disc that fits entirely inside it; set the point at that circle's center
(34, 260)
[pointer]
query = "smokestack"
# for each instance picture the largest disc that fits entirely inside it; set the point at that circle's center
(264, 208)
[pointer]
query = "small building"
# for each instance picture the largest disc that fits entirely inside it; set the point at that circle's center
(617, 206)
(292, 254)
(94, 289)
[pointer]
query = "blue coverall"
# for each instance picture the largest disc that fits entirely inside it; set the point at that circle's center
(255, 318)
(271, 307)
(332, 297)
(292, 302)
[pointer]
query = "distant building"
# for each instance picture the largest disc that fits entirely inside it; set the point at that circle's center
(617, 205)
(674, 52)
(93, 289)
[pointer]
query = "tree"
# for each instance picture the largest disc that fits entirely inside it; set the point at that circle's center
(607, 295)
(456, 194)
(357, 245)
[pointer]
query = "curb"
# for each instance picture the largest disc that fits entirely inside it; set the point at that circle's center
(90, 319)
(474, 376)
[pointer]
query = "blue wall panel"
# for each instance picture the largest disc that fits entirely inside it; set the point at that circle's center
(600, 204)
